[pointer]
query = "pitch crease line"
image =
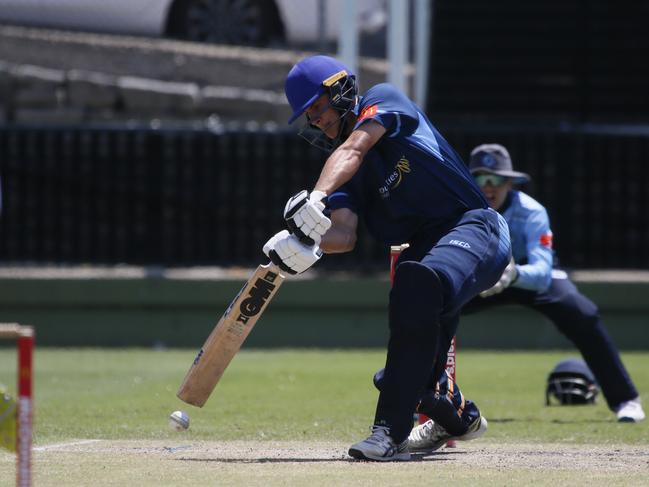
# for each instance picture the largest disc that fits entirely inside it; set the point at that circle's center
(56, 446)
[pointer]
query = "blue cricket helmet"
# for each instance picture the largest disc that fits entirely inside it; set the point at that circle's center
(313, 76)
(571, 382)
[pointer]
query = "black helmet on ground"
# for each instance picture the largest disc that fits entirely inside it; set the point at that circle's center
(571, 382)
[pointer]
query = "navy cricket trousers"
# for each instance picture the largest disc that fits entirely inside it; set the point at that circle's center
(577, 317)
(434, 278)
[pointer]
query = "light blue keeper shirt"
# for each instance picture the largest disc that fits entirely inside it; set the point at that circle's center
(531, 238)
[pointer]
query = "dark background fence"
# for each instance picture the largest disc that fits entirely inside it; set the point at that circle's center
(179, 197)
(571, 60)
(558, 82)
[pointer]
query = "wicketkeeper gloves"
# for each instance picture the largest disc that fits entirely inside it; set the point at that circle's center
(507, 278)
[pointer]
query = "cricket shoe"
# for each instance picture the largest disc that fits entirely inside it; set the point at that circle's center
(380, 447)
(630, 411)
(430, 436)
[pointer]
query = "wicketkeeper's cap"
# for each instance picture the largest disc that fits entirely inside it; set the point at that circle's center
(495, 159)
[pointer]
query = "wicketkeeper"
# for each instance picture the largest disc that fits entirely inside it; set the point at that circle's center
(389, 165)
(530, 280)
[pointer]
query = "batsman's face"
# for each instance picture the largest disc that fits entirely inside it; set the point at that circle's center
(322, 116)
(495, 188)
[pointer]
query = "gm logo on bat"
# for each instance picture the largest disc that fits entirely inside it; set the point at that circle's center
(257, 297)
(252, 304)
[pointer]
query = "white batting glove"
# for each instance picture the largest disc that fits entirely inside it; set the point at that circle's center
(305, 218)
(508, 277)
(289, 254)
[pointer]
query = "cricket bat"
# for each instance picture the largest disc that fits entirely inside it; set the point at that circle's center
(229, 334)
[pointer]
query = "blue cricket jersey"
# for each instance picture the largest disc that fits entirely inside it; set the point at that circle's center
(531, 238)
(412, 182)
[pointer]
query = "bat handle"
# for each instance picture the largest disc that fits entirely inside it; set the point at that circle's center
(275, 268)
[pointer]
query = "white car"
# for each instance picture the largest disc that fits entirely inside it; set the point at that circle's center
(241, 22)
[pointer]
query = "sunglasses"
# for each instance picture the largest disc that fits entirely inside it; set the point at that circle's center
(492, 179)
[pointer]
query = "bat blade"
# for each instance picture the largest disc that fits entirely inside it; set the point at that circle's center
(229, 334)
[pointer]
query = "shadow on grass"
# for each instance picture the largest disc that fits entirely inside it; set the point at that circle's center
(581, 421)
(545, 420)
(263, 460)
(415, 457)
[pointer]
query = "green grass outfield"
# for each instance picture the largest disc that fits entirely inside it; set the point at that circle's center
(289, 401)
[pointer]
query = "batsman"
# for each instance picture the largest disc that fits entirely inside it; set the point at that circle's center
(390, 166)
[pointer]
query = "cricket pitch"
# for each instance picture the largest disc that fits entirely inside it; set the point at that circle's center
(275, 463)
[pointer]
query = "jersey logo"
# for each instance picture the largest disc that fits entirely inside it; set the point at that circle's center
(394, 179)
(368, 112)
(488, 160)
(546, 240)
(402, 167)
(460, 243)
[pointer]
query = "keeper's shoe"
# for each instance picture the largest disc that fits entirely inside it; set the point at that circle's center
(630, 411)
(380, 447)
(430, 436)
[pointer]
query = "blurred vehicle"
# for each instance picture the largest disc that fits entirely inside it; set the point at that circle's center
(240, 22)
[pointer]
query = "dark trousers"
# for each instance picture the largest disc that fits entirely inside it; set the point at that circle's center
(577, 317)
(434, 278)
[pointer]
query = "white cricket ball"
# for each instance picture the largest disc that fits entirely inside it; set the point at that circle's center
(179, 421)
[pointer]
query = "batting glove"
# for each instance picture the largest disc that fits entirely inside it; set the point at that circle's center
(289, 254)
(510, 274)
(305, 218)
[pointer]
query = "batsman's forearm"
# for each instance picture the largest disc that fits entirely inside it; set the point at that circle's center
(339, 168)
(344, 162)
